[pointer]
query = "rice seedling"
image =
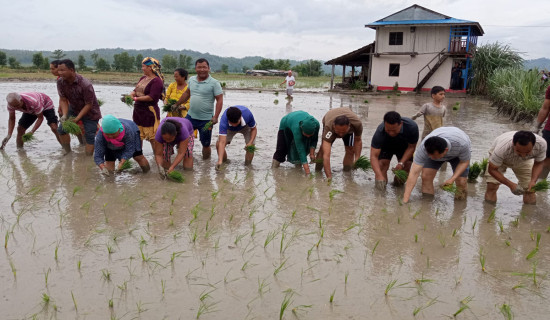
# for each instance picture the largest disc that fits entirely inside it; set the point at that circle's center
(362, 163)
(392, 285)
(425, 306)
(463, 305)
(442, 240)
(535, 250)
(474, 224)
(13, 268)
(365, 101)
(280, 267)
(500, 226)
(129, 101)
(71, 127)
(106, 274)
(276, 101)
(74, 301)
(333, 192)
(127, 165)
(456, 106)
(506, 311)
(111, 303)
(450, 188)
(416, 238)
(475, 171)
(46, 276)
(46, 298)
(482, 259)
(401, 175)
(262, 286)
(331, 299)
(491, 216)
(78, 264)
(375, 246)
(207, 126)
(287, 300)
(276, 93)
(416, 214)
(169, 104)
(543, 185)
(28, 137)
(251, 148)
(55, 252)
(76, 189)
(6, 239)
(484, 163)
(270, 236)
(100, 102)
(176, 176)
(299, 308)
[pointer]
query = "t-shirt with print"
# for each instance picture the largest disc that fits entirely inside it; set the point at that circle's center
(408, 134)
(203, 93)
(288, 82)
(247, 120)
(35, 103)
(356, 126)
(458, 144)
(502, 151)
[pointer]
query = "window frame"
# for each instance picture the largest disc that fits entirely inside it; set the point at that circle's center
(393, 41)
(394, 67)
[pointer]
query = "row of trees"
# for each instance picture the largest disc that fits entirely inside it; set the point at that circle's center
(311, 68)
(11, 61)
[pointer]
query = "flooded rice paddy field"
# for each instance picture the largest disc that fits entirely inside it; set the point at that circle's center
(257, 243)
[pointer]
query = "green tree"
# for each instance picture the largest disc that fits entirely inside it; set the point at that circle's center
(95, 56)
(45, 63)
(169, 63)
(14, 64)
(3, 58)
(312, 68)
(81, 62)
(185, 61)
(58, 54)
(265, 64)
(139, 58)
(123, 62)
(102, 65)
(282, 64)
(38, 60)
(245, 68)
(225, 68)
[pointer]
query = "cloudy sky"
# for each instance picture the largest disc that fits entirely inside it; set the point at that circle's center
(290, 29)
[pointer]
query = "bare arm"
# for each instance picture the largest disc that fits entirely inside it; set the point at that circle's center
(416, 169)
(64, 106)
(158, 153)
(327, 146)
(375, 163)
(253, 133)
(143, 98)
(543, 113)
(182, 149)
(493, 170)
(357, 147)
(184, 97)
(407, 156)
(218, 110)
(460, 168)
(222, 142)
(39, 120)
(83, 112)
(537, 169)
(11, 126)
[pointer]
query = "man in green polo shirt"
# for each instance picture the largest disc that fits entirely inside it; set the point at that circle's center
(203, 91)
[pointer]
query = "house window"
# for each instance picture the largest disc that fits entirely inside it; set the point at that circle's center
(394, 70)
(396, 38)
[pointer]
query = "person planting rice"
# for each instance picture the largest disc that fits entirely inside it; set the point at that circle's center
(297, 136)
(236, 119)
(118, 139)
(522, 151)
(34, 106)
(174, 91)
(394, 136)
(148, 91)
(445, 144)
(78, 92)
(174, 132)
(433, 112)
(345, 124)
(205, 103)
(544, 114)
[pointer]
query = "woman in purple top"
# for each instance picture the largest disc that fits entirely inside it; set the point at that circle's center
(149, 90)
(174, 131)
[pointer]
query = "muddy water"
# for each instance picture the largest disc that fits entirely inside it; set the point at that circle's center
(237, 244)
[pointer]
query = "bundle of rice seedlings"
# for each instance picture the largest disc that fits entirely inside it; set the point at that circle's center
(100, 102)
(129, 101)
(127, 165)
(362, 163)
(456, 106)
(168, 106)
(275, 101)
(207, 126)
(71, 127)
(318, 160)
(483, 165)
(541, 186)
(401, 175)
(28, 137)
(475, 171)
(251, 148)
(176, 176)
(450, 188)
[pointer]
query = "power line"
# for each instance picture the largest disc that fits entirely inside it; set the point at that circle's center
(497, 25)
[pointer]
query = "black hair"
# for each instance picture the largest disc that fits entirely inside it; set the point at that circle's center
(341, 121)
(524, 137)
(55, 63)
(170, 127)
(183, 73)
(437, 89)
(68, 63)
(433, 144)
(233, 114)
(201, 60)
(392, 117)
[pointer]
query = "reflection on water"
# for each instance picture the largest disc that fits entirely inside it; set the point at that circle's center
(230, 244)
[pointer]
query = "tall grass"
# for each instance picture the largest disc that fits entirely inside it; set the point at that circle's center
(516, 92)
(488, 58)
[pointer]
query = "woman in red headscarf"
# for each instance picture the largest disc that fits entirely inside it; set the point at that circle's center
(149, 90)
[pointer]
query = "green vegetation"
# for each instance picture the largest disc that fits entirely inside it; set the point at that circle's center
(401, 175)
(71, 127)
(176, 176)
(541, 186)
(127, 165)
(251, 148)
(362, 163)
(129, 101)
(28, 137)
(207, 126)
(450, 188)
(168, 106)
(475, 171)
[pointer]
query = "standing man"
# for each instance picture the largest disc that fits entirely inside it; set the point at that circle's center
(77, 91)
(444, 144)
(394, 136)
(290, 82)
(202, 91)
(340, 123)
(515, 150)
(34, 106)
(236, 119)
(544, 114)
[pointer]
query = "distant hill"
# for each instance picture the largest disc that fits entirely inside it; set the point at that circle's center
(234, 64)
(541, 63)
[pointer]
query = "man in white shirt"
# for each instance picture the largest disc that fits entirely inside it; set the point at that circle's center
(523, 152)
(290, 82)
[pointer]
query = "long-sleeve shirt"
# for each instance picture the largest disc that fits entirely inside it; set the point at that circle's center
(291, 125)
(132, 143)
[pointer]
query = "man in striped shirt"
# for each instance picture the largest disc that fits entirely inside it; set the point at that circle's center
(34, 106)
(522, 151)
(444, 144)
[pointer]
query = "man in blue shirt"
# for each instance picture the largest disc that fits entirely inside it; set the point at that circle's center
(236, 119)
